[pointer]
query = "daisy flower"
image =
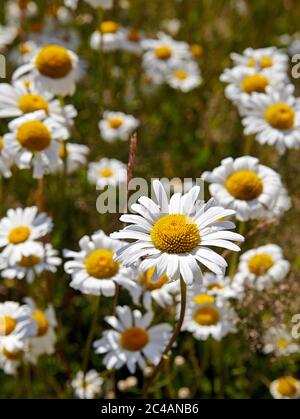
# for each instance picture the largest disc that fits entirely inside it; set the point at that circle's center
(131, 40)
(35, 142)
(286, 387)
(107, 37)
(6, 161)
(75, 156)
(243, 82)
(176, 236)
(20, 99)
(54, 69)
(246, 186)
(278, 340)
(87, 386)
(13, 8)
(263, 266)
(44, 259)
(104, 4)
(274, 118)
(261, 59)
(133, 340)
(222, 287)
(7, 35)
(23, 53)
(93, 269)
(16, 326)
(184, 76)
(117, 125)
(163, 53)
(43, 341)
(107, 172)
(19, 230)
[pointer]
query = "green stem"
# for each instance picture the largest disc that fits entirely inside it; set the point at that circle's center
(90, 338)
(248, 144)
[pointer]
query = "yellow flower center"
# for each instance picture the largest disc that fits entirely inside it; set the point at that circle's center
(260, 264)
(42, 322)
(287, 386)
(207, 316)
(280, 116)
(106, 172)
(175, 234)
(282, 343)
(149, 284)
(54, 61)
(23, 49)
(7, 325)
(134, 36)
(163, 52)
(1, 143)
(29, 261)
(19, 235)
(34, 135)
(100, 264)
(215, 286)
(245, 185)
(254, 83)
(266, 62)
(204, 299)
(109, 26)
(31, 103)
(115, 122)
(197, 50)
(134, 339)
(181, 74)
(13, 356)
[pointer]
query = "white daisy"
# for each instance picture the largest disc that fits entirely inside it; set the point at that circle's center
(176, 236)
(107, 172)
(54, 69)
(132, 340)
(34, 141)
(19, 99)
(286, 387)
(117, 125)
(107, 37)
(283, 204)
(274, 117)
(23, 53)
(131, 40)
(246, 186)
(13, 8)
(278, 340)
(184, 76)
(7, 35)
(222, 287)
(6, 161)
(43, 341)
(44, 259)
(261, 59)
(104, 4)
(87, 386)
(263, 266)
(19, 231)
(93, 268)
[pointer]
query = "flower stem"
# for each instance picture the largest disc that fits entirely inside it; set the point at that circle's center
(248, 144)
(90, 338)
(173, 339)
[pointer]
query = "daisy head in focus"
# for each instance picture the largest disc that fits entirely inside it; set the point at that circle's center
(184, 76)
(94, 270)
(44, 259)
(106, 172)
(19, 231)
(285, 387)
(278, 341)
(263, 267)
(117, 125)
(132, 341)
(274, 117)
(87, 386)
(107, 37)
(73, 155)
(176, 236)
(246, 186)
(34, 141)
(261, 59)
(54, 69)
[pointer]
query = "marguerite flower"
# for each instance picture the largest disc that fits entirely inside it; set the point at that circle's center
(274, 117)
(19, 231)
(107, 172)
(6, 161)
(74, 155)
(7, 35)
(243, 184)
(261, 59)
(117, 125)
(107, 37)
(44, 259)
(13, 8)
(184, 76)
(176, 236)
(131, 40)
(35, 142)
(87, 386)
(93, 269)
(23, 53)
(222, 287)
(263, 266)
(54, 69)
(286, 387)
(132, 340)
(278, 340)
